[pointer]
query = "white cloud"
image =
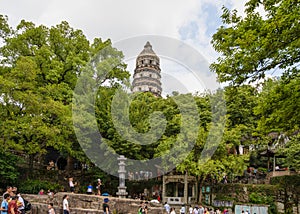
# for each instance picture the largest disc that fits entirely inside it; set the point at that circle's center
(191, 21)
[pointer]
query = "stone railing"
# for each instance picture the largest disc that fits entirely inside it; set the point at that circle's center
(278, 173)
(88, 204)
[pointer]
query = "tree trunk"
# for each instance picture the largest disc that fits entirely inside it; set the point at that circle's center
(69, 166)
(200, 181)
(30, 165)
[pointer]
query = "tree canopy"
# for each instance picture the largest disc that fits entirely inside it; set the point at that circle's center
(39, 69)
(258, 43)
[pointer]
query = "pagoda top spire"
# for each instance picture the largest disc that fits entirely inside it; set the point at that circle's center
(147, 50)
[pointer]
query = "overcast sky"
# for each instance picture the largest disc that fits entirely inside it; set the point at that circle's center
(192, 22)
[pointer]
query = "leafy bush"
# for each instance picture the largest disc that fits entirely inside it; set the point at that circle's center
(8, 170)
(34, 186)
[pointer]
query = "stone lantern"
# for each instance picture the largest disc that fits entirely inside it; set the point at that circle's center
(122, 172)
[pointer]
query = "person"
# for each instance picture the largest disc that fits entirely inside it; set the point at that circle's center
(66, 208)
(105, 206)
(41, 192)
(218, 211)
(14, 191)
(143, 209)
(201, 210)
(196, 210)
(98, 187)
(50, 193)
(182, 209)
(51, 165)
(4, 204)
(172, 211)
(191, 210)
(71, 185)
(255, 172)
(89, 190)
(9, 190)
(21, 204)
(158, 198)
(51, 209)
(146, 207)
(12, 206)
(206, 210)
(167, 207)
(225, 211)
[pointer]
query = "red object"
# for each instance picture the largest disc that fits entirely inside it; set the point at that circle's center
(13, 204)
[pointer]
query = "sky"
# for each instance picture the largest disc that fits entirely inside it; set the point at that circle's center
(192, 22)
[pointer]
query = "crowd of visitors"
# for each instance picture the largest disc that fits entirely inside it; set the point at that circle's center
(12, 202)
(193, 210)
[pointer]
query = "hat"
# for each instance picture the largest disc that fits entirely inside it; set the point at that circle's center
(106, 200)
(99, 179)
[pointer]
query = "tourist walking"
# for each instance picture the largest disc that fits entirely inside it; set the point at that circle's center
(201, 209)
(21, 204)
(106, 206)
(66, 207)
(172, 211)
(4, 204)
(167, 208)
(182, 209)
(51, 209)
(12, 206)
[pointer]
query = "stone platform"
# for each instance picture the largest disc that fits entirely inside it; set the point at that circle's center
(87, 204)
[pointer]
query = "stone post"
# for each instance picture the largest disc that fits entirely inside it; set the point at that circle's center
(185, 194)
(122, 172)
(164, 189)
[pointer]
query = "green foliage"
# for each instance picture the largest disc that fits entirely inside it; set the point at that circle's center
(39, 70)
(256, 198)
(292, 152)
(8, 170)
(257, 194)
(277, 106)
(34, 186)
(251, 46)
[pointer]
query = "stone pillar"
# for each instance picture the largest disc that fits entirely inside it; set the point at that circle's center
(164, 189)
(185, 188)
(274, 164)
(122, 172)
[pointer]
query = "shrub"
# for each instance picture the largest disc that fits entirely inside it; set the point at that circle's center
(34, 186)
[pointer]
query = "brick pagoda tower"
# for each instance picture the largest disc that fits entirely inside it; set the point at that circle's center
(147, 76)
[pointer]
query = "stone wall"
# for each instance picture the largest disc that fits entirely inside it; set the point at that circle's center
(88, 204)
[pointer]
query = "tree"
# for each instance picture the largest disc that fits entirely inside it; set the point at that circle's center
(277, 106)
(256, 44)
(211, 155)
(38, 73)
(292, 151)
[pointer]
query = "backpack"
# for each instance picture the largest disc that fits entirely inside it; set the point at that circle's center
(27, 205)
